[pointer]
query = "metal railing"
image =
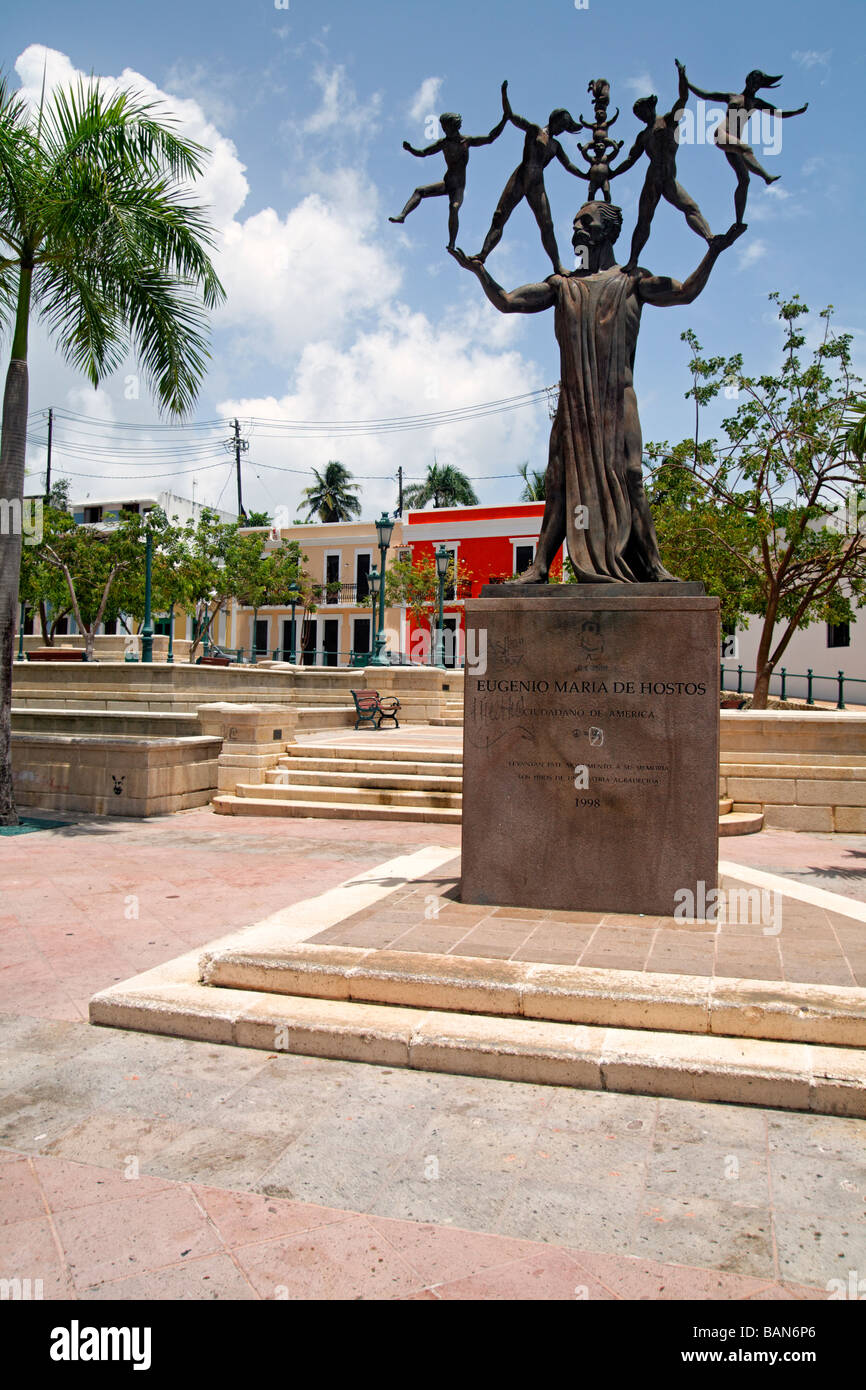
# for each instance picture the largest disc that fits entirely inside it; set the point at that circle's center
(783, 675)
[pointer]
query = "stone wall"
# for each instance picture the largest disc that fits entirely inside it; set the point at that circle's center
(804, 771)
(112, 776)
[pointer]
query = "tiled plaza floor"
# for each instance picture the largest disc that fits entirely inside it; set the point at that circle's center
(138, 1166)
(792, 940)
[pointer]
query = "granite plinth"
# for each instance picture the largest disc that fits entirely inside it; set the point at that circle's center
(591, 748)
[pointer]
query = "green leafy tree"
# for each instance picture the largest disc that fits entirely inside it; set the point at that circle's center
(444, 486)
(98, 235)
(331, 497)
(764, 518)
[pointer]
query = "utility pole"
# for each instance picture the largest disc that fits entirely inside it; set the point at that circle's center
(48, 468)
(241, 445)
(400, 490)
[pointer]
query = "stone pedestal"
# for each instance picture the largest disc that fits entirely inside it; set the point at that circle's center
(591, 747)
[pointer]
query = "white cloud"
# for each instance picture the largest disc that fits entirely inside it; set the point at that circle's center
(405, 359)
(642, 85)
(751, 254)
(340, 106)
(312, 292)
(425, 99)
(813, 57)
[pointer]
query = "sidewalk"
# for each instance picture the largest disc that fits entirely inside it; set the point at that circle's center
(274, 1176)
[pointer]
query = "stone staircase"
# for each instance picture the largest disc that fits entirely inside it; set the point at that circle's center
(383, 784)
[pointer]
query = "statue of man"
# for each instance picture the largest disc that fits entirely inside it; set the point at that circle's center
(455, 147)
(539, 148)
(728, 135)
(659, 143)
(595, 496)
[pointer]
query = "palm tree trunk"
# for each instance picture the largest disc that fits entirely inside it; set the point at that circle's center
(13, 446)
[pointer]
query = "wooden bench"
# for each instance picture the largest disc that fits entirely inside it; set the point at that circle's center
(371, 708)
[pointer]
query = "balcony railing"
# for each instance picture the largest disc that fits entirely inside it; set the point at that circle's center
(338, 593)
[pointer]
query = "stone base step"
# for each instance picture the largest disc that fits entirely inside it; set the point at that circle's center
(451, 772)
(725, 805)
(777, 1010)
(740, 823)
(350, 795)
(368, 750)
(385, 781)
(258, 803)
(790, 1076)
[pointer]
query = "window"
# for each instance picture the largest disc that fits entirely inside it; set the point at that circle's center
(523, 557)
(838, 634)
(449, 593)
(362, 577)
(132, 507)
(92, 514)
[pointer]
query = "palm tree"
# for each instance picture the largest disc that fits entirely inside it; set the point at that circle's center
(97, 234)
(330, 497)
(533, 484)
(444, 486)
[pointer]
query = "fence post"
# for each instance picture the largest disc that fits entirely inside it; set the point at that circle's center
(739, 680)
(784, 674)
(809, 699)
(840, 703)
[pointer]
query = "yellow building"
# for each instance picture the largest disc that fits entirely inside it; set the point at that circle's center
(339, 558)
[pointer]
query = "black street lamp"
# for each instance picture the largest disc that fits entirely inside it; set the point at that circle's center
(443, 559)
(294, 599)
(147, 627)
(21, 632)
(384, 528)
(170, 657)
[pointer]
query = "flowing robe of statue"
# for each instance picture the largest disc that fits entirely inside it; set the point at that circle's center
(596, 321)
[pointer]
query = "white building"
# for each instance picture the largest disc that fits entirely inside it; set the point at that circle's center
(94, 509)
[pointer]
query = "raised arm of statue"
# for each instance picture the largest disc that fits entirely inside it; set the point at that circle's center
(705, 96)
(566, 162)
(488, 139)
(664, 292)
(528, 299)
(520, 121)
(631, 158)
(431, 149)
(682, 97)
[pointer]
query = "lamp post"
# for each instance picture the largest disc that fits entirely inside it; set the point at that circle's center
(21, 632)
(384, 527)
(443, 558)
(147, 627)
(373, 581)
(170, 657)
(294, 599)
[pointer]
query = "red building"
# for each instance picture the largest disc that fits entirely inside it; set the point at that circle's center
(488, 544)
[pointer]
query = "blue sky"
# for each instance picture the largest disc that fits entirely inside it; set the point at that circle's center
(333, 313)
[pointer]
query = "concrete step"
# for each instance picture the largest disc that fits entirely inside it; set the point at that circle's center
(367, 766)
(790, 1076)
(257, 803)
(369, 749)
(780, 1010)
(725, 805)
(349, 795)
(741, 823)
(298, 777)
(448, 721)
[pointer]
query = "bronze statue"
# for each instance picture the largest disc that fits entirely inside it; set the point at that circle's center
(659, 143)
(600, 172)
(455, 147)
(728, 135)
(539, 148)
(595, 497)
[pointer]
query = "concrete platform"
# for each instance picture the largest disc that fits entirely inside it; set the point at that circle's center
(273, 986)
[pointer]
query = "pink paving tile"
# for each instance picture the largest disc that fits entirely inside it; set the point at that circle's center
(20, 1194)
(213, 1277)
(69, 1185)
(348, 1260)
(110, 1240)
(548, 1275)
(442, 1254)
(245, 1218)
(631, 1278)
(28, 1250)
